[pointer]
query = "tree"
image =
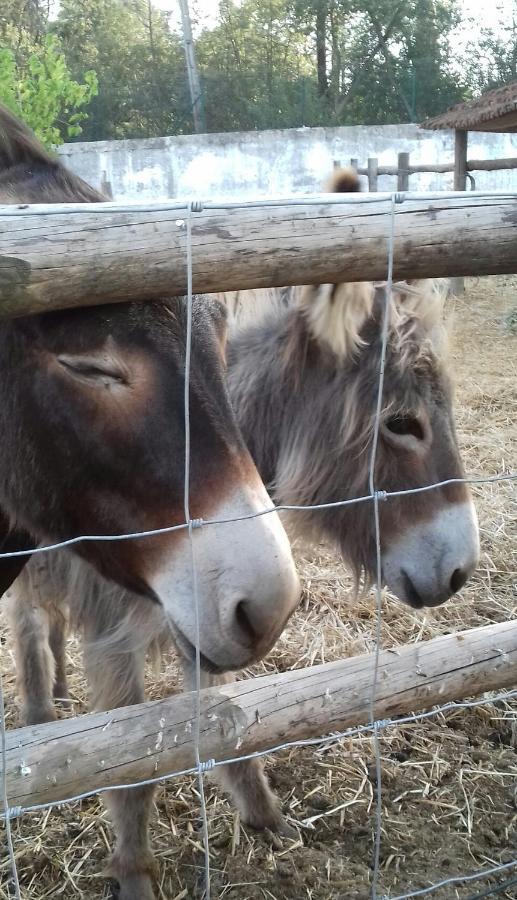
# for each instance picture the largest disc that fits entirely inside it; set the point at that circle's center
(491, 59)
(257, 68)
(283, 63)
(139, 65)
(42, 91)
(389, 59)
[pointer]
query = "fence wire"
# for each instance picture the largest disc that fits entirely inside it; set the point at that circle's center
(375, 496)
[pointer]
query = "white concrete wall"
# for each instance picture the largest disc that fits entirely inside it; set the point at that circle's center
(246, 164)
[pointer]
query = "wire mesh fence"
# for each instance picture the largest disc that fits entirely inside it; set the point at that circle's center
(375, 728)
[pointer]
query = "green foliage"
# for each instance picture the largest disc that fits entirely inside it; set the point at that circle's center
(265, 64)
(491, 59)
(256, 68)
(284, 63)
(43, 92)
(139, 65)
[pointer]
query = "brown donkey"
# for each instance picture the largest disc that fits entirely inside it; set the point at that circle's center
(92, 424)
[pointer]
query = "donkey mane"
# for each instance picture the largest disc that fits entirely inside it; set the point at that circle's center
(29, 174)
(336, 315)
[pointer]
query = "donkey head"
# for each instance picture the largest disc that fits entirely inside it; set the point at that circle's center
(429, 540)
(304, 383)
(93, 443)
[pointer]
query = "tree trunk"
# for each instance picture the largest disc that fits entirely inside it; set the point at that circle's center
(321, 47)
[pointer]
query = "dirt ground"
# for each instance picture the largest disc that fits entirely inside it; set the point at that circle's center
(449, 794)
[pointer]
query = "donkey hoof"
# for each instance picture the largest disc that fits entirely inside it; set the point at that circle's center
(273, 822)
(286, 830)
(60, 692)
(38, 715)
(128, 884)
(64, 702)
(136, 887)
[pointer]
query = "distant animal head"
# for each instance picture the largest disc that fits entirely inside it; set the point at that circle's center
(304, 384)
(92, 416)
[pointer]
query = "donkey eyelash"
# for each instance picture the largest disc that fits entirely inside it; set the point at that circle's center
(88, 370)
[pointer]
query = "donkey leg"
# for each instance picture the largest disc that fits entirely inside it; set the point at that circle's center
(117, 679)
(35, 667)
(57, 639)
(245, 781)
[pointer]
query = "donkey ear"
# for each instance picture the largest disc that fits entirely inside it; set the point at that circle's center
(343, 181)
(10, 540)
(336, 314)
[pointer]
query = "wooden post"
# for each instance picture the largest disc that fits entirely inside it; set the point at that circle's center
(372, 173)
(64, 255)
(403, 172)
(354, 163)
(460, 160)
(55, 761)
(457, 285)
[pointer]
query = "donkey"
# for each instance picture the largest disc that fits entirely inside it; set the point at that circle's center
(303, 382)
(92, 424)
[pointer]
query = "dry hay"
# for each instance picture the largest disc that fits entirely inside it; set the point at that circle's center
(449, 801)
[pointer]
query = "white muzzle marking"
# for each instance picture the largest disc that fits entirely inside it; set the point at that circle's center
(434, 559)
(247, 586)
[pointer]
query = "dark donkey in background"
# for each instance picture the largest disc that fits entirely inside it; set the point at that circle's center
(92, 426)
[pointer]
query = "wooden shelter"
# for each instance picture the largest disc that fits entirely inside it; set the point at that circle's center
(494, 111)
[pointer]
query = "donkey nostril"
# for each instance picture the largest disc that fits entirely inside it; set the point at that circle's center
(458, 579)
(244, 622)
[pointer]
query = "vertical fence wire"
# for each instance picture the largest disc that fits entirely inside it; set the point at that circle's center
(378, 586)
(197, 685)
(376, 496)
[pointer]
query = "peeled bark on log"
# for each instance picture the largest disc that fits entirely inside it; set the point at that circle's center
(103, 253)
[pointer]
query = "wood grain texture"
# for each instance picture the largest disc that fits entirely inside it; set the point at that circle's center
(50, 259)
(58, 760)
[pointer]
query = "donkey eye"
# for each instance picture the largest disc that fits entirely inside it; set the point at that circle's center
(405, 426)
(91, 370)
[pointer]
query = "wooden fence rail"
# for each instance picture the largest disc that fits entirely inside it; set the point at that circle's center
(60, 256)
(53, 762)
(404, 168)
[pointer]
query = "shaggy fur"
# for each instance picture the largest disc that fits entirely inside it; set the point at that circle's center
(285, 377)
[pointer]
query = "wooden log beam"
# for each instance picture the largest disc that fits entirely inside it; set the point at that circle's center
(56, 761)
(53, 257)
(491, 165)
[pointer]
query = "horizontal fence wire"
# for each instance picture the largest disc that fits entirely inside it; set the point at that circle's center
(376, 726)
(199, 206)
(280, 507)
